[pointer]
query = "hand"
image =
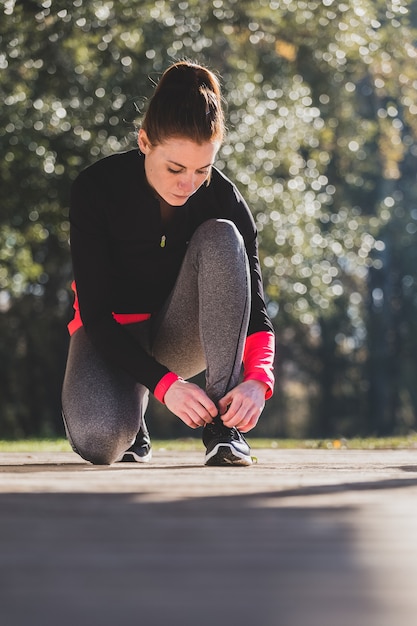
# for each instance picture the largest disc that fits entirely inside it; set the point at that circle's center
(242, 406)
(190, 403)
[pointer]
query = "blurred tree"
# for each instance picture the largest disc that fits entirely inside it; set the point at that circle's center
(321, 142)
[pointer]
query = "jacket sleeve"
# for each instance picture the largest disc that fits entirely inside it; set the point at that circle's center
(258, 360)
(92, 272)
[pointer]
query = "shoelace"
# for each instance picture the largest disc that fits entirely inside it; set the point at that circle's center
(219, 429)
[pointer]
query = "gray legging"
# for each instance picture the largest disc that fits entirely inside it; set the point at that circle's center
(203, 325)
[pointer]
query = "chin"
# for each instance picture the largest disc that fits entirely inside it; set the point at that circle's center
(178, 201)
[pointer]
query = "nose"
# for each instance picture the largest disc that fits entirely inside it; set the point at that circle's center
(187, 183)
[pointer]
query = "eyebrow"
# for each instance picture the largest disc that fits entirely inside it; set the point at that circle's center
(184, 168)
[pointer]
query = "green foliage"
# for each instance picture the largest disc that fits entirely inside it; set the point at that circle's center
(322, 142)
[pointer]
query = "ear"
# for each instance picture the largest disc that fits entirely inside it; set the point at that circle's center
(143, 142)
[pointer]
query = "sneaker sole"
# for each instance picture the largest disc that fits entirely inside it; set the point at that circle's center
(131, 457)
(225, 455)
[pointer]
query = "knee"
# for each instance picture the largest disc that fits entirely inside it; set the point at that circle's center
(102, 450)
(98, 444)
(220, 239)
(220, 230)
(98, 453)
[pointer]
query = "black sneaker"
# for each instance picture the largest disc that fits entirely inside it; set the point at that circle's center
(225, 446)
(141, 450)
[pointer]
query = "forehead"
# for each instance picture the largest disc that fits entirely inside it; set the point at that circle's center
(187, 153)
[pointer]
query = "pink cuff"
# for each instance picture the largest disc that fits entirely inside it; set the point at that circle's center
(164, 384)
(258, 359)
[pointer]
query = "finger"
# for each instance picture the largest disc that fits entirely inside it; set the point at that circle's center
(235, 420)
(206, 407)
(190, 415)
(211, 409)
(199, 415)
(244, 419)
(251, 424)
(187, 420)
(224, 403)
(232, 410)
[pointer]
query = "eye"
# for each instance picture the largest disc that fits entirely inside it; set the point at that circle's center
(203, 172)
(171, 171)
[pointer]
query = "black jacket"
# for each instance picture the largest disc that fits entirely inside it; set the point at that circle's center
(119, 263)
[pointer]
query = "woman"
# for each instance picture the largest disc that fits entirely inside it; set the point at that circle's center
(167, 284)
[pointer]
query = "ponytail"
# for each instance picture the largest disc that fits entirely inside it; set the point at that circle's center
(187, 102)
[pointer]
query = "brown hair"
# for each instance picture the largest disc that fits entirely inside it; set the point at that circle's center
(187, 102)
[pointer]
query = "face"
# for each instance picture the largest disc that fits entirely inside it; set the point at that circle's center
(176, 168)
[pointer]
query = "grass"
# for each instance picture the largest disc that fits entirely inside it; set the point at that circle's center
(194, 444)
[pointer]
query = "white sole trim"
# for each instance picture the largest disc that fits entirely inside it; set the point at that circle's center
(240, 458)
